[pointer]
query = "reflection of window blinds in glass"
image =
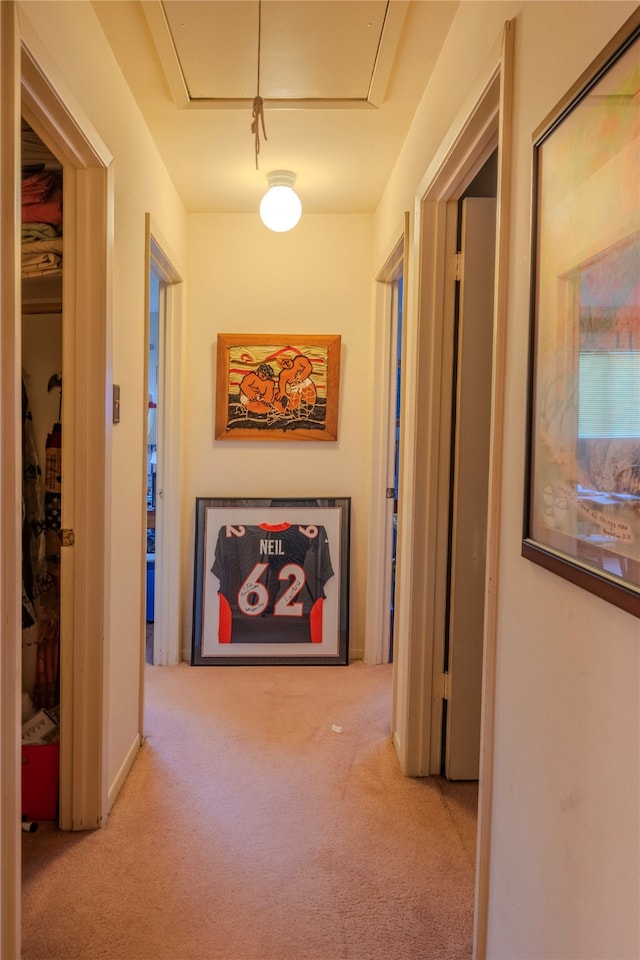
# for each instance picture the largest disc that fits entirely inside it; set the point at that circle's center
(609, 395)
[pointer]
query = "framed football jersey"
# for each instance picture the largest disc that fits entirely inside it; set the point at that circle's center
(271, 581)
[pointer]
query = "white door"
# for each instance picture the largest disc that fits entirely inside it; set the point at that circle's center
(472, 417)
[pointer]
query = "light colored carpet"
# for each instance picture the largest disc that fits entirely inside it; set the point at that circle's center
(249, 830)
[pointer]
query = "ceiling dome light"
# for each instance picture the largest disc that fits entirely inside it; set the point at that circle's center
(280, 208)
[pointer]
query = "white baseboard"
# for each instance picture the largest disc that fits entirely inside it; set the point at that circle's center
(121, 775)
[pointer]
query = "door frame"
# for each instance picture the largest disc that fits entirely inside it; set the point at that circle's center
(425, 480)
(166, 635)
(376, 649)
(482, 124)
(87, 402)
(10, 485)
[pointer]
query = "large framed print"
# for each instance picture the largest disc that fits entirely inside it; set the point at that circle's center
(271, 581)
(582, 491)
(277, 387)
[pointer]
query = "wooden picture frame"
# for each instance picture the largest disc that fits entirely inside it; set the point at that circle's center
(271, 581)
(277, 387)
(582, 487)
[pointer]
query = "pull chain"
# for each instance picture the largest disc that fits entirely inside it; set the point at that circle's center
(258, 106)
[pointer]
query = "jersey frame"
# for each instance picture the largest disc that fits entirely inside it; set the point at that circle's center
(271, 581)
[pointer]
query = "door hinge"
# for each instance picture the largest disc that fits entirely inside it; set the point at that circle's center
(444, 686)
(391, 493)
(116, 403)
(67, 537)
(458, 266)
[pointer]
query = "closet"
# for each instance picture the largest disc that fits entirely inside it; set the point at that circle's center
(42, 385)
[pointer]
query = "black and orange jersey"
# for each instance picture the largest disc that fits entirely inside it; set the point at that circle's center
(272, 580)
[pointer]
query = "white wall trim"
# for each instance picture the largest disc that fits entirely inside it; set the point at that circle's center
(377, 621)
(123, 772)
(167, 648)
(10, 485)
(499, 364)
(470, 141)
(376, 573)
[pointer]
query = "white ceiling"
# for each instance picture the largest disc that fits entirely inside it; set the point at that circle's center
(340, 80)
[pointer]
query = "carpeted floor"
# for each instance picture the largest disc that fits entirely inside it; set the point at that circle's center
(249, 830)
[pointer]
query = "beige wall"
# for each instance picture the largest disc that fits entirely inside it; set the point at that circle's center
(69, 43)
(315, 280)
(564, 868)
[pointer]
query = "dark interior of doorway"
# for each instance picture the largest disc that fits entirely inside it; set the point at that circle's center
(152, 458)
(396, 461)
(41, 258)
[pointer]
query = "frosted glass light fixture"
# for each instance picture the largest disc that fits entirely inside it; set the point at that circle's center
(280, 208)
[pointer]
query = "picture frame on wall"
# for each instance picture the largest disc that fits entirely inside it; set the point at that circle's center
(582, 487)
(271, 581)
(277, 387)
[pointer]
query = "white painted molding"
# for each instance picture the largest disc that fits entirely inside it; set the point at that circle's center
(377, 572)
(487, 733)
(420, 555)
(167, 650)
(10, 486)
(123, 772)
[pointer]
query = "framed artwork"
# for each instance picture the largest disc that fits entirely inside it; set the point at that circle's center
(582, 491)
(273, 387)
(271, 581)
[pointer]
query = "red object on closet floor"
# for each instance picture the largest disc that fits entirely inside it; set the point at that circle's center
(40, 780)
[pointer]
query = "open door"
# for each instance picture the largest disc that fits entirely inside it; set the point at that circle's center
(469, 490)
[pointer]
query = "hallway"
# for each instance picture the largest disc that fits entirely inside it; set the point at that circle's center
(249, 829)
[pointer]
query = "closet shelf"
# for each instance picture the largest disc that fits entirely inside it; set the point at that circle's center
(42, 294)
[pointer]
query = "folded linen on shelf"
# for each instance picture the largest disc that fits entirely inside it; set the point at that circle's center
(39, 231)
(42, 246)
(36, 187)
(47, 211)
(42, 267)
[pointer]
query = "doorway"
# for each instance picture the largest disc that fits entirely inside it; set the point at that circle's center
(425, 482)
(387, 459)
(162, 459)
(42, 450)
(85, 547)
(153, 366)
(394, 446)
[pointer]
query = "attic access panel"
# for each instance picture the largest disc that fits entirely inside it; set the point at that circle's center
(319, 53)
